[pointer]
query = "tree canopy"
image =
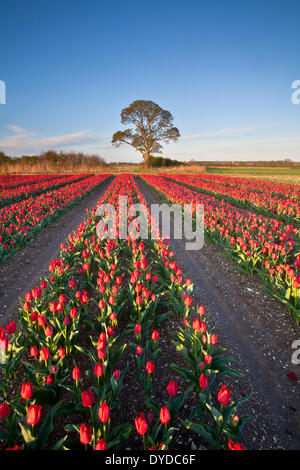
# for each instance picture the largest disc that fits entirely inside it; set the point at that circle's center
(152, 125)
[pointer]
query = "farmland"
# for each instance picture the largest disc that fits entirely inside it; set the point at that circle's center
(130, 343)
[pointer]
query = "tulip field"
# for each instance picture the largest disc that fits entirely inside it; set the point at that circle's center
(96, 326)
(258, 244)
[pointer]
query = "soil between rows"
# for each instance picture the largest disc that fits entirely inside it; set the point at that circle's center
(257, 331)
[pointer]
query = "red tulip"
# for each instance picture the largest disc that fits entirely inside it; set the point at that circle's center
(76, 374)
(141, 424)
(188, 301)
(104, 412)
(34, 351)
(33, 414)
(233, 446)
(172, 388)
(11, 327)
(98, 369)
(4, 410)
(224, 395)
(203, 381)
(213, 339)
(87, 398)
(164, 415)
(73, 312)
(44, 354)
(201, 310)
(150, 367)
(42, 320)
(155, 335)
(61, 352)
(101, 445)
(26, 390)
(85, 434)
(48, 331)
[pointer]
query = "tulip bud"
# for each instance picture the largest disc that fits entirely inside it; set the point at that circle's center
(164, 415)
(203, 381)
(26, 390)
(33, 414)
(104, 412)
(101, 445)
(85, 434)
(76, 374)
(87, 398)
(172, 388)
(141, 424)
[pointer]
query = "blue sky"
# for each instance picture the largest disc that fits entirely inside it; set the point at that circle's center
(224, 70)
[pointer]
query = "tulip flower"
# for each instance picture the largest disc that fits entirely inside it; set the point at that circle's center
(164, 415)
(233, 446)
(224, 395)
(85, 434)
(11, 327)
(33, 414)
(104, 412)
(87, 398)
(98, 369)
(100, 445)
(34, 351)
(4, 410)
(26, 390)
(76, 374)
(141, 424)
(150, 367)
(155, 335)
(203, 381)
(44, 354)
(172, 388)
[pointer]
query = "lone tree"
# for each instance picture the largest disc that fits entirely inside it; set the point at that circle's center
(152, 126)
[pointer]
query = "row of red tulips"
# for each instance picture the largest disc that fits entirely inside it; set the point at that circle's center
(257, 244)
(39, 186)
(283, 189)
(20, 222)
(284, 208)
(72, 350)
(11, 181)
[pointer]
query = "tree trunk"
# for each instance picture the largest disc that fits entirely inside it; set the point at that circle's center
(147, 158)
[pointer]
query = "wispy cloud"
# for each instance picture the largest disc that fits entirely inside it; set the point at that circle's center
(24, 141)
(16, 129)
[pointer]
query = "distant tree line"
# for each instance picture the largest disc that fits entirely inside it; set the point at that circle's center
(52, 162)
(287, 162)
(158, 162)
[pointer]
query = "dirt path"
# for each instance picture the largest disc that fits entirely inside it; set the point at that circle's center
(257, 331)
(23, 270)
